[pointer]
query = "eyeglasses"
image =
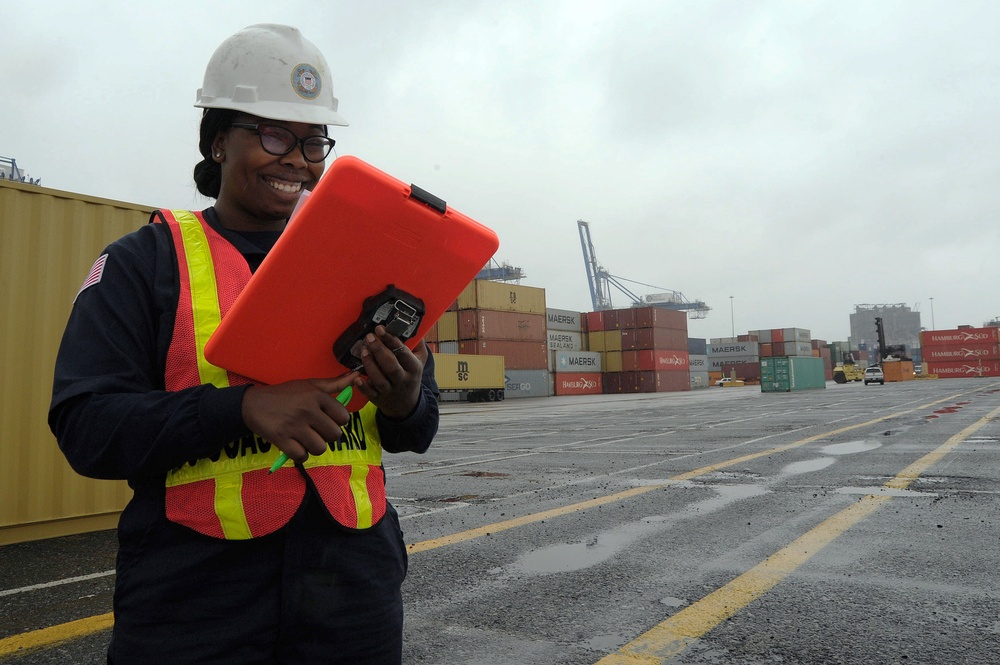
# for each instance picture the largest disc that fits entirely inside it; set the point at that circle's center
(279, 141)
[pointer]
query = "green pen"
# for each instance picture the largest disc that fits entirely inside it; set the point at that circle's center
(344, 397)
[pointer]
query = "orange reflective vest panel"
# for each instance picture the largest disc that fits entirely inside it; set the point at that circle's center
(231, 495)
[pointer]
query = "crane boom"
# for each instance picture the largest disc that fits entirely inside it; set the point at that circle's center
(600, 281)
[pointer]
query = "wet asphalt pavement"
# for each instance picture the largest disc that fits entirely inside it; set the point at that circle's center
(848, 525)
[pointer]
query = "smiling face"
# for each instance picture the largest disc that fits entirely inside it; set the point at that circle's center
(259, 190)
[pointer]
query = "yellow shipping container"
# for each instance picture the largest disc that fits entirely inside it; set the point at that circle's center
(448, 327)
(48, 242)
(502, 297)
(595, 341)
(612, 361)
(613, 341)
(461, 371)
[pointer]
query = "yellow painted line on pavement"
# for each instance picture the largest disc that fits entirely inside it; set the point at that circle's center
(671, 637)
(46, 637)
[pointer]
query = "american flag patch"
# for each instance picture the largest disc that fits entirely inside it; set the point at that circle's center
(94, 276)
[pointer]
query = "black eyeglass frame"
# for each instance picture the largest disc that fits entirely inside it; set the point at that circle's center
(301, 143)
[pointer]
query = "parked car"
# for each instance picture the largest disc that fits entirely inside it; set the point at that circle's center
(874, 375)
(729, 382)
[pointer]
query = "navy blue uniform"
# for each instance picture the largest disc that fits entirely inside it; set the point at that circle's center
(313, 591)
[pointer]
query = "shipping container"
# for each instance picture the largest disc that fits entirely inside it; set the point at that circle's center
(49, 241)
(697, 362)
(797, 348)
(448, 347)
(664, 381)
(610, 317)
(959, 336)
(492, 324)
(700, 380)
(658, 317)
(765, 349)
(564, 340)
(517, 355)
(468, 372)
(748, 371)
(503, 297)
(612, 383)
(563, 319)
(961, 353)
(797, 335)
(957, 370)
(595, 341)
(661, 338)
(715, 363)
(576, 361)
(431, 336)
(593, 321)
(697, 346)
(652, 360)
(612, 340)
(448, 327)
(571, 383)
(612, 361)
(897, 370)
(733, 349)
(791, 374)
(763, 336)
(527, 383)
(626, 319)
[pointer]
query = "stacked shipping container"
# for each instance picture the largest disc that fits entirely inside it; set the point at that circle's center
(642, 349)
(502, 319)
(574, 371)
(962, 352)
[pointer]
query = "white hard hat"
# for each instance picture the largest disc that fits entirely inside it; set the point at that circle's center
(271, 71)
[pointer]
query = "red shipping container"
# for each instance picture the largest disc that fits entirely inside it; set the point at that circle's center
(611, 319)
(612, 383)
(569, 383)
(662, 360)
(595, 321)
(664, 382)
(961, 353)
(626, 319)
(658, 317)
(964, 370)
(959, 337)
(630, 361)
(745, 371)
(630, 339)
(630, 382)
(777, 335)
(516, 355)
(764, 349)
(491, 324)
(661, 338)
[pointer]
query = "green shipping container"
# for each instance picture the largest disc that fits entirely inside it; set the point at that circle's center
(782, 375)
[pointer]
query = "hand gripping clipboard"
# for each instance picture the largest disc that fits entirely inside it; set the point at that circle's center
(363, 249)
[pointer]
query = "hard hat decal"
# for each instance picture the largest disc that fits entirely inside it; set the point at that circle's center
(306, 81)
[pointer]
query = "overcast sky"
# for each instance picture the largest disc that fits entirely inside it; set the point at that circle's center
(801, 157)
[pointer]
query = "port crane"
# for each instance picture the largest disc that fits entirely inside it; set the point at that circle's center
(601, 281)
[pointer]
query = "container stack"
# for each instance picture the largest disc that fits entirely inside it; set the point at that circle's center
(737, 357)
(573, 370)
(698, 361)
(820, 349)
(960, 353)
(502, 319)
(783, 342)
(643, 349)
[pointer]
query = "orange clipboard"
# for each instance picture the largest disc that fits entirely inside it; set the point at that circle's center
(363, 248)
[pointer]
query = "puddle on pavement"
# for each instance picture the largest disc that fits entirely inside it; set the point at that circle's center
(806, 466)
(602, 546)
(882, 491)
(850, 447)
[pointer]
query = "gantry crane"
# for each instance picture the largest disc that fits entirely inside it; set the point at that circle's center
(600, 282)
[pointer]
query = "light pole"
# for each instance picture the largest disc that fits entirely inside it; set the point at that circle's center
(932, 314)
(732, 320)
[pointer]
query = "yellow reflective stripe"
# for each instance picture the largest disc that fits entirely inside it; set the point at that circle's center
(229, 507)
(204, 293)
(359, 488)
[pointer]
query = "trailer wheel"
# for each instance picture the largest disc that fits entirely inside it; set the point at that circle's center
(491, 395)
(500, 396)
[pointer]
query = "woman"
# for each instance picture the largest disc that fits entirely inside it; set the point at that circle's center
(220, 561)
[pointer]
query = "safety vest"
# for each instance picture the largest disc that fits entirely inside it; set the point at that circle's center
(231, 495)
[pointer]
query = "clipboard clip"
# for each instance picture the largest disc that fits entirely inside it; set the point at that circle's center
(398, 311)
